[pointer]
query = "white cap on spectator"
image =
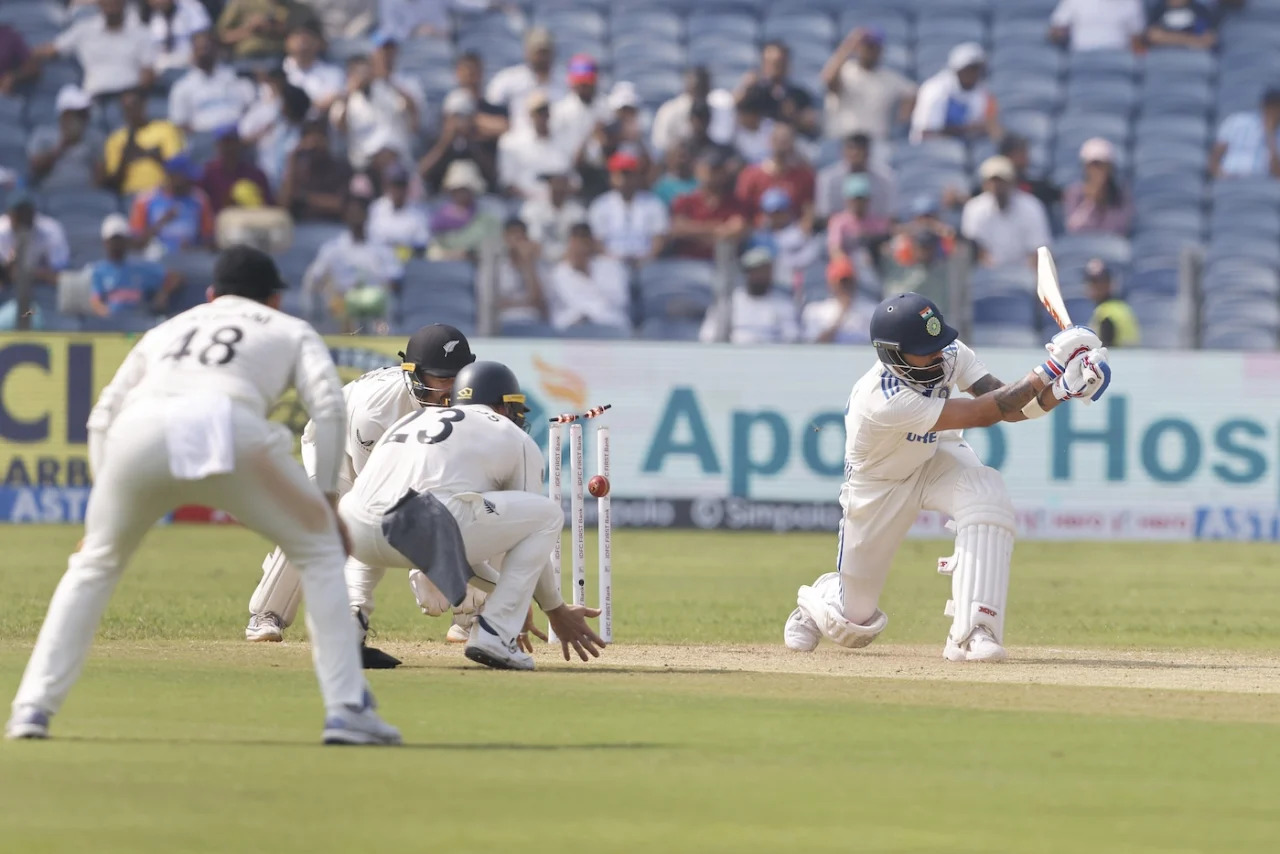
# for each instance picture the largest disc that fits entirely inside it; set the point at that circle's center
(997, 167)
(623, 95)
(1097, 150)
(115, 225)
(965, 55)
(72, 98)
(460, 102)
(463, 175)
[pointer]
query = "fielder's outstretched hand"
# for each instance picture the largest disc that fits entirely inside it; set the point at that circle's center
(569, 622)
(529, 627)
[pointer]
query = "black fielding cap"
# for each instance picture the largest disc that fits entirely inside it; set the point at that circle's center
(438, 350)
(246, 272)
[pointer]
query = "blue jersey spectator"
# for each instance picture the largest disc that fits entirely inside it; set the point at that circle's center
(122, 284)
(1248, 144)
(176, 215)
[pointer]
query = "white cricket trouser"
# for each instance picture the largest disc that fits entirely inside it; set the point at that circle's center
(267, 492)
(877, 517)
(517, 535)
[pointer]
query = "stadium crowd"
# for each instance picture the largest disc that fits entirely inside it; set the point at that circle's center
(715, 169)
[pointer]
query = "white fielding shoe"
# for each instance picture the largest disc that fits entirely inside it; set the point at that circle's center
(359, 725)
(264, 628)
(801, 633)
(460, 631)
(981, 646)
(28, 722)
(487, 648)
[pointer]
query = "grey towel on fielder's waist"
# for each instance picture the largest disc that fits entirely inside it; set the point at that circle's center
(423, 530)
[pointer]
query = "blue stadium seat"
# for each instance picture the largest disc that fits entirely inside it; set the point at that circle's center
(1020, 32)
(1245, 220)
(950, 30)
(1158, 282)
(1035, 126)
(1194, 101)
(896, 26)
(988, 335)
(1037, 10)
(567, 24)
(1171, 219)
(595, 332)
(937, 151)
(1177, 63)
(1097, 64)
(1007, 309)
(986, 283)
(12, 110)
(1032, 93)
(661, 329)
(676, 289)
(1246, 310)
(1229, 190)
(1115, 95)
(1116, 251)
(1024, 58)
(1241, 247)
(655, 24)
(528, 329)
(657, 86)
(1171, 127)
(955, 8)
(713, 49)
(1232, 337)
(740, 28)
(57, 203)
(799, 26)
(638, 53)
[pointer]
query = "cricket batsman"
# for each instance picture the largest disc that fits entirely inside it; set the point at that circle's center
(184, 421)
(905, 453)
(374, 401)
(456, 493)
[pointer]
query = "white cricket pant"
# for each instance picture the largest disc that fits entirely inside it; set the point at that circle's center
(268, 493)
(878, 516)
(515, 539)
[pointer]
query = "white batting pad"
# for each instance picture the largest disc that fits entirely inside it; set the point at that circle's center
(823, 603)
(280, 590)
(985, 525)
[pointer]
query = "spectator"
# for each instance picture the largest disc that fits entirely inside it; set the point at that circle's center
(921, 269)
(1018, 150)
(856, 227)
(511, 87)
(1006, 224)
(492, 120)
(46, 252)
(1247, 143)
(839, 319)
(672, 123)
(459, 229)
(711, 213)
(519, 284)
(758, 312)
(954, 102)
(529, 151)
(230, 179)
(549, 216)
(352, 274)
(782, 99)
(459, 140)
(855, 158)
(211, 94)
(134, 155)
(578, 119)
(68, 155)
(677, 178)
(172, 24)
(783, 168)
(1113, 319)
(755, 130)
(588, 287)
(381, 108)
(1098, 203)
(396, 222)
(256, 29)
(176, 215)
(322, 81)
(700, 141)
(273, 125)
(124, 285)
(420, 19)
(1098, 24)
(863, 96)
(793, 248)
(113, 47)
(924, 218)
(630, 222)
(315, 182)
(625, 126)
(1182, 23)
(18, 66)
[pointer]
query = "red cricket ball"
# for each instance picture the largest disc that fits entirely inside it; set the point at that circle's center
(598, 486)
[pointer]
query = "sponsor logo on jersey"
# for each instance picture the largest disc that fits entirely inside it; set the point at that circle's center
(924, 438)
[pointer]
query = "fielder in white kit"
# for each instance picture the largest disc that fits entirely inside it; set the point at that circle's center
(457, 493)
(184, 422)
(431, 359)
(905, 453)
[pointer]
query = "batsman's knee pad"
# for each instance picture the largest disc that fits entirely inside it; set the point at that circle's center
(823, 602)
(985, 527)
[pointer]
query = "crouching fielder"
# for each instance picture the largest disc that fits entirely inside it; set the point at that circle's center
(457, 492)
(184, 422)
(905, 453)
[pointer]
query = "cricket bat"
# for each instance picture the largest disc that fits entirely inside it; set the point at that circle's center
(1048, 290)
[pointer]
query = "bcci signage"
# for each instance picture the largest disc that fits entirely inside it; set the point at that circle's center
(753, 437)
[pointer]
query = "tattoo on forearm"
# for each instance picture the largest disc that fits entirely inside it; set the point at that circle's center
(985, 385)
(1011, 398)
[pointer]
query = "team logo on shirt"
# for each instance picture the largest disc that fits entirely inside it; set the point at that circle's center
(932, 324)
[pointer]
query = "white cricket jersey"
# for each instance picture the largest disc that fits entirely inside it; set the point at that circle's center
(889, 425)
(467, 448)
(374, 401)
(243, 350)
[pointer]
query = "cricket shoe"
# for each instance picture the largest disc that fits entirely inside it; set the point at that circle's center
(358, 725)
(264, 628)
(460, 631)
(27, 722)
(981, 646)
(801, 633)
(486, 647)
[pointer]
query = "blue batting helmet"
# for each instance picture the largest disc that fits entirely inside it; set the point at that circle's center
(911, 324)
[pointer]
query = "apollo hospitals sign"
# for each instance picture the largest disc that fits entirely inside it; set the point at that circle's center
(1185, 445)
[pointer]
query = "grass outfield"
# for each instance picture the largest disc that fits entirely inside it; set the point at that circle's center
(1140, 714)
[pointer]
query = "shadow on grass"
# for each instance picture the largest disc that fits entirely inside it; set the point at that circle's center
(428, 745)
